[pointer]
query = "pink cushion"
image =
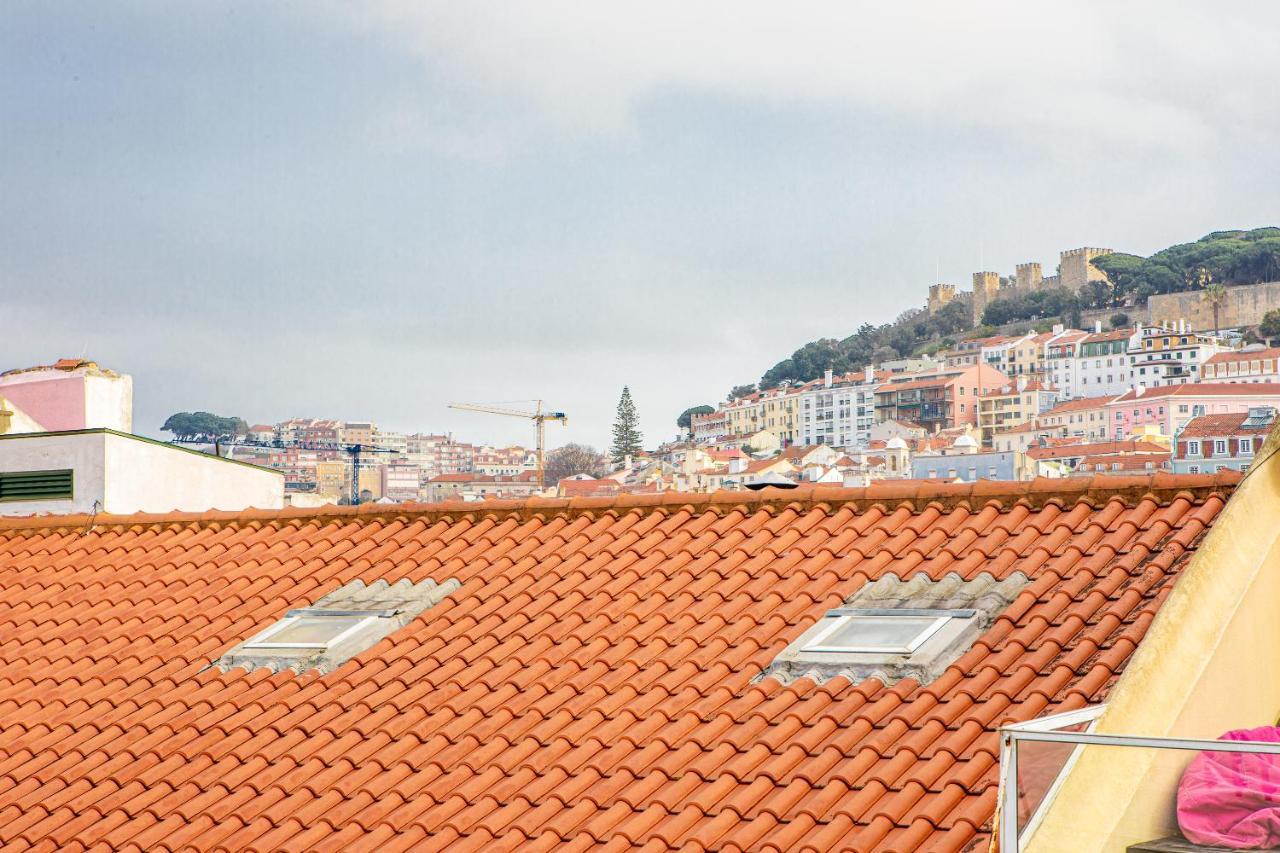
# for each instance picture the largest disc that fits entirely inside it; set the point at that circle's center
(1232, 799)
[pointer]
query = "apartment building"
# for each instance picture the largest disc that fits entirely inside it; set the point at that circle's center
(1169, 407)
(1212, 443)
(839, 413)
(1160, 356)
(1084, 417)
(1253, 364)
(401, 481)
(1014, 404)
(940, 401)
(1092, 365)
(709, 428)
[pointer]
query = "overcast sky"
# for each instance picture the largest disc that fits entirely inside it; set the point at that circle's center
(367, 210)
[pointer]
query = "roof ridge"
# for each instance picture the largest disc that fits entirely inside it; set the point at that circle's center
(918, 493)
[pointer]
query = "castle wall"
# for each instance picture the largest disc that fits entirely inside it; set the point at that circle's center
(1076, 267)
(1028, 277)
(1244, 305)
(986, 288)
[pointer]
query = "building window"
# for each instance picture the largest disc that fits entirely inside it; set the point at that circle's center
(1220, 447)
(1193, 469)
(1193, 448)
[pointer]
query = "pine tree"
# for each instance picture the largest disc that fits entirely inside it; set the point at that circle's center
(626, 429)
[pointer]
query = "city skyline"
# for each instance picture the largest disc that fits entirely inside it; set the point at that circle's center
(323, 210)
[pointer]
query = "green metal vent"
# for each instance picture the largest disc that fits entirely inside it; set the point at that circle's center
(35, 485)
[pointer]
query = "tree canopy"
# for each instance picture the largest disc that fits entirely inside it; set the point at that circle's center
(574, 459)
(206, 426)
(685, 421)
(1224, 257)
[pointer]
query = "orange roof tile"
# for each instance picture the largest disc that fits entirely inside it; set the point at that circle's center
(1244, 355)
(1079, 404)
(1219, 425)
(591, 684)
(1095, 448)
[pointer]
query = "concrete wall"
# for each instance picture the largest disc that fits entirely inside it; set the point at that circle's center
(127, 474)
(142, 476)
(1209, 663)
(1244, 305)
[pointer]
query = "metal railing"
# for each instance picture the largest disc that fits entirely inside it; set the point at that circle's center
(1050, 730)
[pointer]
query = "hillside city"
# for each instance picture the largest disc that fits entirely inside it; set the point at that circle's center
(1191, 394)
(446, 427)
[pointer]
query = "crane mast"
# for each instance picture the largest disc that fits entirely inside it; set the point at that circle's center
(539, 418)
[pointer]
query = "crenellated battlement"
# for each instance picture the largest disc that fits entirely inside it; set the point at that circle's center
(1075, 270)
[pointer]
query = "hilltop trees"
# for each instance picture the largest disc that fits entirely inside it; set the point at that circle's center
(203, 426)
(685, 421)
(1224, 257)
(626, 428)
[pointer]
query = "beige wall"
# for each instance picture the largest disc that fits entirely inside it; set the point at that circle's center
(1209, 663)
(1244, 305)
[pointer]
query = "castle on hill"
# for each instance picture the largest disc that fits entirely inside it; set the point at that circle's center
(1075, 270)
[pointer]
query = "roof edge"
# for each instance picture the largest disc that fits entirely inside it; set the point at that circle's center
(917, 494)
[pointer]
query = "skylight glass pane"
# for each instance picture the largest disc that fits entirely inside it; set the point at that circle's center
(878, 633)
(309, 631)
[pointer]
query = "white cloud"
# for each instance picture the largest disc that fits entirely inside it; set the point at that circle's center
(1101, 72)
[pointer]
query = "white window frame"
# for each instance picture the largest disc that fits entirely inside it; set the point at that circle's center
(845, 617)
(1219, 447)
(262, 640)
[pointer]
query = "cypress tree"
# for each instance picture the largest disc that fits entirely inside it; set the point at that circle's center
(626, 428)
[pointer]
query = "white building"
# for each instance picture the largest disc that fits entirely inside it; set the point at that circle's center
(102, 470)
(1253, 364)
(1161, 356)
(840, 414)
(1101, 365)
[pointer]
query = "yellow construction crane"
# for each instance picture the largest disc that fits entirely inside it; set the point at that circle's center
(538, 417)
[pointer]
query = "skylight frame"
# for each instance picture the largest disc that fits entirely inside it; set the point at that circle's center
(361, 620)
(846, 616)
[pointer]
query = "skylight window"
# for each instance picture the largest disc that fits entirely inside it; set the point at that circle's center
(305, 629)
(879, 631)
(325, 634)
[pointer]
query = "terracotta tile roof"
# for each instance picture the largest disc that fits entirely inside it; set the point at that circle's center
(1096, 448)
(1223, 425)
(1204, 389)
(1079, 404)
(590, 685)
(1244, 355)
(1126, 461)
(1113, 335)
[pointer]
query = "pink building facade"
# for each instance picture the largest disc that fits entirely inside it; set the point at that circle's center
(71, 394)
(1170, 407)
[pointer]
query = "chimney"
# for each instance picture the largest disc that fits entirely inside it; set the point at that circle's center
(1097, 327)
(826, 378)
(1022, 383)
(868, 374)
(1139, 390)
(1058, 328)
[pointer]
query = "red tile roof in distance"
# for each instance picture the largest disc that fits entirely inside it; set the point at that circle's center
(589, 686)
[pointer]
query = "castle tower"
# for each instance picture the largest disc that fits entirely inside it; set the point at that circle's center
(986, 289)
(1028, 278)
(1076, 267)
(940, 295)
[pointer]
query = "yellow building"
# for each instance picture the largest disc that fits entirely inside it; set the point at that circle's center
(332, 479)
(1012, 406)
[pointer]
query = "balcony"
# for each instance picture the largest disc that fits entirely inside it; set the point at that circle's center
(1051, 765)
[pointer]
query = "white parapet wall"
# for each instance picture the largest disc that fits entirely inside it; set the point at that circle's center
(117, 472)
